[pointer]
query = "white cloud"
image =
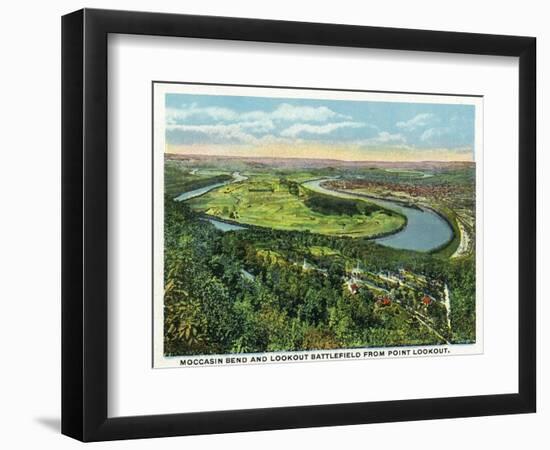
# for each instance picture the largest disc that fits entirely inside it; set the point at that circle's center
(236, 133)
(432, 133)
(259, 131)
(258, 126)
(232, 132)
(299, 128)
(304, 113)
(383, 138)
(178, 115)
(284, 113)
(418, 121)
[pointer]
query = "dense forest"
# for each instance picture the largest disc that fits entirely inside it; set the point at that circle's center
(260, 289)
(326, 204)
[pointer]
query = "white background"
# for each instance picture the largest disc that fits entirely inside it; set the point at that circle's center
(30, 238)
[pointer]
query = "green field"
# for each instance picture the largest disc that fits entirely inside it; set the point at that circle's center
(270, 202)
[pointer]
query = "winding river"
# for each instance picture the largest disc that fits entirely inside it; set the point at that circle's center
(203, 190)
(425, 229)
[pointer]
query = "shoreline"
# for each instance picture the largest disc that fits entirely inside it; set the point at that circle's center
(205, 216)
(422, 207)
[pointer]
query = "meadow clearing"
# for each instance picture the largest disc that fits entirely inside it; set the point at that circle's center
(275, 202)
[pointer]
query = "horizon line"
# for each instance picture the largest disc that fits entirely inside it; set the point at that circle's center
(319, 159)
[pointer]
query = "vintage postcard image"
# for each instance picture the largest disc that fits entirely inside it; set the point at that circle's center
(297, 225)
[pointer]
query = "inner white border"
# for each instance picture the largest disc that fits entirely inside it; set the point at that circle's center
(135, 388)
(160, 89)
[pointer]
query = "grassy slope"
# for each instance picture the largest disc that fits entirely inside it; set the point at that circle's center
(178, 179)
(262, 201)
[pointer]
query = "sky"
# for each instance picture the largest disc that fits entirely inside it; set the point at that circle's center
(311, 128)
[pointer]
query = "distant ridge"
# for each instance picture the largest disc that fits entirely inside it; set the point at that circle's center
(316, 163)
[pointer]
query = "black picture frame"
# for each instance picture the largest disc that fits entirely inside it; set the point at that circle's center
(84, 224)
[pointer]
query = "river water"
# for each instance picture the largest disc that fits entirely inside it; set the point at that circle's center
(198, 192)
(225, 226)
(201, 191)
(425, 229)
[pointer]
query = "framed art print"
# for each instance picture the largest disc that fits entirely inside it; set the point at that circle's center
(278, 224)
(300, 225)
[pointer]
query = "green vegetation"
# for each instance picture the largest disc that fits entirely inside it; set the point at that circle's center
(330, 205)
(451, 193)
(267, 201)
(450, 248)
(304, 274)
(177, 179)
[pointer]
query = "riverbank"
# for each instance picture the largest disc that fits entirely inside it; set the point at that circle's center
(427, 229)
(204, 186)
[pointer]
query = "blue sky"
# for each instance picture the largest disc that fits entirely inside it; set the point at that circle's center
(216, 120)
